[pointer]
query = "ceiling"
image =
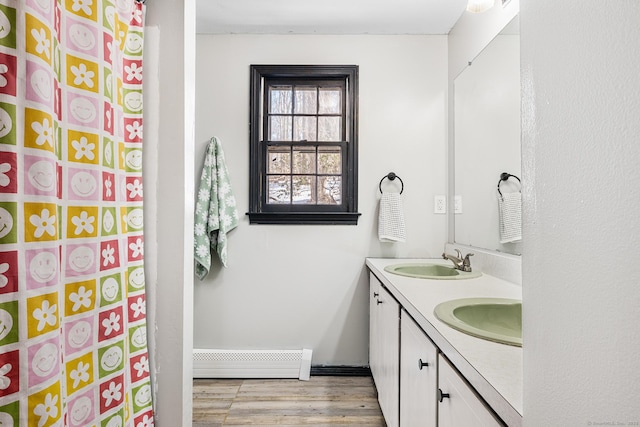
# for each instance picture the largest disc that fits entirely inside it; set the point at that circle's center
(327, 16)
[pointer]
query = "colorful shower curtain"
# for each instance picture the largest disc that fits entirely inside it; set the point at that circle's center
(73, 347)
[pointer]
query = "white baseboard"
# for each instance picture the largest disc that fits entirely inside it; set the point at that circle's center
(213, 363)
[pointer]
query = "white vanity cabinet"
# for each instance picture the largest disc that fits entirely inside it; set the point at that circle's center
(417, 384)
(458, 403)
(384, 351)
(418, 375)
(483, 380)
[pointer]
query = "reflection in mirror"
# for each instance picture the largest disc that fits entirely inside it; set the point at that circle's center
(487, 139)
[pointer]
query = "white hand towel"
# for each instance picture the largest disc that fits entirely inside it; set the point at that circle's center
(510, 210)
(391, 219)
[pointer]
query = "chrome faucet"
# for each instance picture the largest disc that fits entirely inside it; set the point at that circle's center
(459, 262)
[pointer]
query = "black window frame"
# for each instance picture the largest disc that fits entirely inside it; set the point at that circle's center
(260, 212)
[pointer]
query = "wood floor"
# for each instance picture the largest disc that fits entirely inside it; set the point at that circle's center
(323, 400)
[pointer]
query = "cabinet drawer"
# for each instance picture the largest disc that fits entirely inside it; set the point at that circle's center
(459, 405)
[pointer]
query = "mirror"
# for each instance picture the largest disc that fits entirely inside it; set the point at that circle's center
(487, 141)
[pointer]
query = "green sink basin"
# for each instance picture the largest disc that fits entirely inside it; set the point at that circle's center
(493, 319)
(430, 271)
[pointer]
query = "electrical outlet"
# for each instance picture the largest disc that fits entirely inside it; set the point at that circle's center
(457, 204)
(440, 204)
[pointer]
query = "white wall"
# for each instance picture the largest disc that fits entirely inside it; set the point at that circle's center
(473, 32)
(168, 190)
(306, 286)
(581, 268)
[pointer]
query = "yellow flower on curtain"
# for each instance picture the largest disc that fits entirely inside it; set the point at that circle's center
(83, 8)
(80, 297)
(79, 372)
(82, 74)
(127, 412)
(40, 222)
(83, 147)
(45, 406)
(120, 31)
(42, 314)
(119, 91)
(38, 130)
(38, 39)
(82, 221)
(122, 154)
(123, 219)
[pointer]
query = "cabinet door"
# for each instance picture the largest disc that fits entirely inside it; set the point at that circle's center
(418, 376)
(386, 353)
(460, 406)
(374, 340)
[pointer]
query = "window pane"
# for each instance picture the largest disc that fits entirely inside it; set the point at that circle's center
(329, 190)
(306, 100)
(279, 189)
(329, 128)
(304, 159)
(329, 160)
(280, 128)
(304, 189)
(278, 160)
(280, 99)
(304, 129)
(330, 101)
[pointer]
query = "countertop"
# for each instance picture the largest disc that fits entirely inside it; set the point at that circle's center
(493, 369)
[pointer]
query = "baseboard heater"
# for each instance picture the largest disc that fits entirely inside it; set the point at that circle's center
(252, 363)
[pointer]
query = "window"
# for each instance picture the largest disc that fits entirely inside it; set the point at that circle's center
(303, 154)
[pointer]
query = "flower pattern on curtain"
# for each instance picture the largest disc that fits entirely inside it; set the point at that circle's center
(73, 347)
